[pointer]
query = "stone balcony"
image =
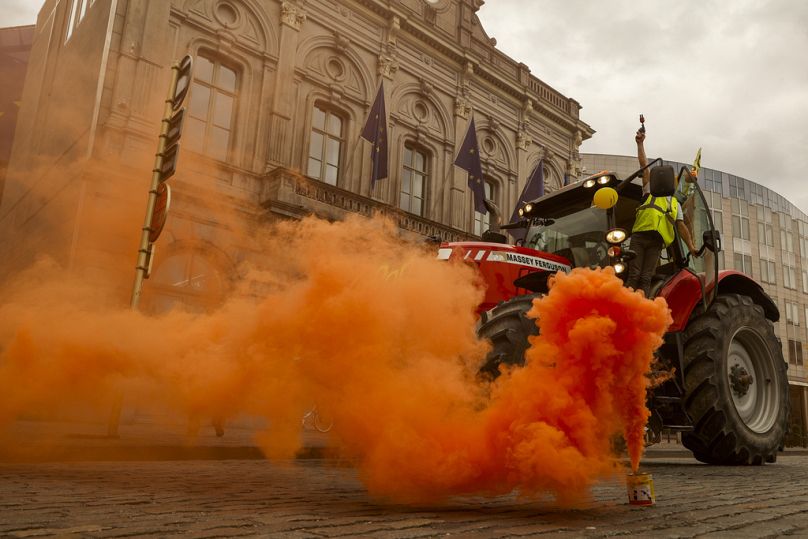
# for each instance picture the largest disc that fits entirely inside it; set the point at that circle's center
(289, 194)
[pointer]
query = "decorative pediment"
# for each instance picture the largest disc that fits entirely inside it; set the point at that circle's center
(332, 61)
(416, 105)
(240, 19)
(494, 149)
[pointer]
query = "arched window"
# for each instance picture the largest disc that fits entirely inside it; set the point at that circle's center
(211, 108)
(414, 180)
(187, 279)
(482, 222)
(325, 145)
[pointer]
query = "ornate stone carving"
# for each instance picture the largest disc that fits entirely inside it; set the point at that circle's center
(575, 158)
(388, 66)
(393, 28)
(462, 107)
(430, 14)
(426, 88)
(341, 42)
(523, 140)
(292, 15)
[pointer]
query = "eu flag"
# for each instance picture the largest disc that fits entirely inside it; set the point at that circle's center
(375, 132)
(534, 188)
(469, 160)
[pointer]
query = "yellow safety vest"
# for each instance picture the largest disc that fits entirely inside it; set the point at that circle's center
(655, 214)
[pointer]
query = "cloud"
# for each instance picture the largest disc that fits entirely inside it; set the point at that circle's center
(725, 76)
(19, 12)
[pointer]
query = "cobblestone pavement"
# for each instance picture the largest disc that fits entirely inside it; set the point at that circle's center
(315, 498)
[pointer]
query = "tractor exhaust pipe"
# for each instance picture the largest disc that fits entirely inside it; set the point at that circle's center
(496, 215)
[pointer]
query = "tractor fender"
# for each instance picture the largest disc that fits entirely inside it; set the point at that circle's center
(683, 295)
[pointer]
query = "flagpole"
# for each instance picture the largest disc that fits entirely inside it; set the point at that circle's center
(451, 170)
(351, 154)
(442, 190)
(376, 132)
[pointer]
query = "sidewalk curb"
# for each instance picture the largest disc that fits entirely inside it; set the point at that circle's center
(148, 453)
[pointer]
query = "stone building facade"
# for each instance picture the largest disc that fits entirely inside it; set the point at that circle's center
(280, 94)
(15, 47)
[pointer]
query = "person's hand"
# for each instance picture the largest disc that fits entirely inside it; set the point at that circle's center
(639, 137)
(694, 252)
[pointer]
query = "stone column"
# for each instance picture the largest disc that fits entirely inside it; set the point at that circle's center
(457, 203)
(524, 141)
(284, 97)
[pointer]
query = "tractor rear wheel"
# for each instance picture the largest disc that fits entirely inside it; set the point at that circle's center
(736, 388)
(507, 327)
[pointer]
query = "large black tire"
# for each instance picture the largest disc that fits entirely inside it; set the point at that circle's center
(507, 327)
(736, 420)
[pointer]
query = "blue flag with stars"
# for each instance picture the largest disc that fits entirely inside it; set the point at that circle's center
(469, 160)
(375, 132)
(534, 188)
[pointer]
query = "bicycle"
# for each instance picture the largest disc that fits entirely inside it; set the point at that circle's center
(312, 420)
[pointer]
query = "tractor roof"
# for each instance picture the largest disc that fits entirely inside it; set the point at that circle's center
(578, 196)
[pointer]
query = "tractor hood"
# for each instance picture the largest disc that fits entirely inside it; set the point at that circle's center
(482, 252)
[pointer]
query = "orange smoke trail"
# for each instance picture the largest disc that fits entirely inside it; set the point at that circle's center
(378, 333)
(547, 426)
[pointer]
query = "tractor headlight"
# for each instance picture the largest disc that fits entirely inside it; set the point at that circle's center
(614, 251)
(521, 212)
(528, 208)
(619, 268)
(603, 180)
(616, 236)
(589, 183)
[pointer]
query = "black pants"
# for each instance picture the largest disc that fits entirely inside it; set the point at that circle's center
(648, 246)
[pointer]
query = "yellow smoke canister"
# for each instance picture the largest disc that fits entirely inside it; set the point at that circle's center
(640, 489)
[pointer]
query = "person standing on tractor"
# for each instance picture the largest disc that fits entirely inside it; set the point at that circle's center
(654, 224)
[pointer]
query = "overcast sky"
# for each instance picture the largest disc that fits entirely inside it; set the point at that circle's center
(728, 75)
(18, 12)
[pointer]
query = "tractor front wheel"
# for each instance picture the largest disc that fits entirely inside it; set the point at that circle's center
(736, 388)
(507, 327)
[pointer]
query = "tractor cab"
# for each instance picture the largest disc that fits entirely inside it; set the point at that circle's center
(578, 227)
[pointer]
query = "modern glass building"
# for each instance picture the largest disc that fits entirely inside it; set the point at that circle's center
(765, 236)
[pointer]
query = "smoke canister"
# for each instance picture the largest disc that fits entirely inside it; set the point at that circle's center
(640, 489)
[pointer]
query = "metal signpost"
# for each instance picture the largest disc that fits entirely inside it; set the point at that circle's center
(165, 164)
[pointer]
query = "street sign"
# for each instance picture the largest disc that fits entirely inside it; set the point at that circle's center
(174, 131)
(183, 82)
(160, 213)
(169, 164)
(171, 145)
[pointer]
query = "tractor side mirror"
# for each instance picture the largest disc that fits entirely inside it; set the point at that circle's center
(712, 240)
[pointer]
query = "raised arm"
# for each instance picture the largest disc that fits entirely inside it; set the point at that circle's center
(684, 232)
(646, 174)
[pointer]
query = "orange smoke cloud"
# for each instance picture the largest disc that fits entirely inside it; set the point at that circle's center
(547, 426)
(378, 333)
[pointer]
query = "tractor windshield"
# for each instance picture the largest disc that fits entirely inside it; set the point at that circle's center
(579, 237)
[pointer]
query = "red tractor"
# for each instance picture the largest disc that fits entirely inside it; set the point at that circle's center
(729, 392)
